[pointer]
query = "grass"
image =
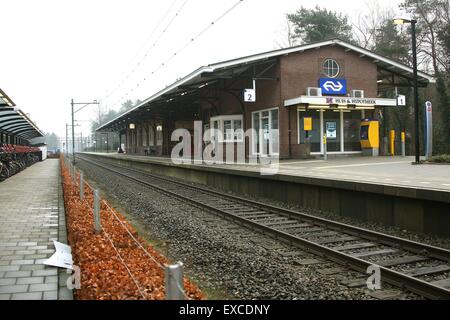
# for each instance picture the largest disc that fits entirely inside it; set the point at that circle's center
(443, 158)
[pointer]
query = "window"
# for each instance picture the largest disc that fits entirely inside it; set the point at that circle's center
(238, 132)
(151, 136)
(265, 140)
(159, 135)
(229, 128)
(144, 137)
(331, 68)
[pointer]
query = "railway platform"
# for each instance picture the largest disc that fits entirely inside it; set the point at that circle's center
(387, 190)
(387, 171)
(32, 216)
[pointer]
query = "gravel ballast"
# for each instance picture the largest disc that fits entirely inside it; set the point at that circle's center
(226, 260)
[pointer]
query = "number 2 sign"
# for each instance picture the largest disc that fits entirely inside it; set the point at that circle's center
(249, 95)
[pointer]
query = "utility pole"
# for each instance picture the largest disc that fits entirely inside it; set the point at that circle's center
(85, 104)
(416, 90)
(73, 133)
(67, 139)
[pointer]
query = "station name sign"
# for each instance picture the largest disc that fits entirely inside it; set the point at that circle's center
(355, 101)
(342, 101)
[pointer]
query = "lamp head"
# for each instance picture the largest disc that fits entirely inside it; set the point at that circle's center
(401, 21)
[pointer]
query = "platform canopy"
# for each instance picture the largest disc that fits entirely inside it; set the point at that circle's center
(5, 101)
(14, 121)
(390, 73)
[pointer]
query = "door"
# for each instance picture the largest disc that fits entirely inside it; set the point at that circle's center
(266, 136)
(332, 130)
(265, 126)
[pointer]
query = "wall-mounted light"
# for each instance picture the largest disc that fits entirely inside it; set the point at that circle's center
(132, 126)
(159, 128)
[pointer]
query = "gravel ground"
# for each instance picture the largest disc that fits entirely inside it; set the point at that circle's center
(225, 260)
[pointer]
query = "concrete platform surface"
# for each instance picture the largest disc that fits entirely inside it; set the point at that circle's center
(387, 171)
(31, 216)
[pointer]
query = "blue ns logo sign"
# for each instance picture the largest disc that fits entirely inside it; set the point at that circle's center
(333, 86)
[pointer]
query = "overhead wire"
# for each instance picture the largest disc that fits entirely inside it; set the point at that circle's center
(129, 74)
(177, 53)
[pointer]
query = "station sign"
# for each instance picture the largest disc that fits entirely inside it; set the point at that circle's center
(401, 100)
(307, 124)
(341, 101)
(333, 86)
(331, 129)
(249, 95)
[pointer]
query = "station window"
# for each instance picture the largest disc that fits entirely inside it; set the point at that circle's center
(159, 135)
(331, 68)
(144, 137)
(229, 128)
(151, 136)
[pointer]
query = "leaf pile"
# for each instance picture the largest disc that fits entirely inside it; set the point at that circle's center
(103, 274)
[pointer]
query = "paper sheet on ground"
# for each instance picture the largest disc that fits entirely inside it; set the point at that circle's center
(62, 258)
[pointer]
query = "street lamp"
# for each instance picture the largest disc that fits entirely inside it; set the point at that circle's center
(85, 104)
(401, 21)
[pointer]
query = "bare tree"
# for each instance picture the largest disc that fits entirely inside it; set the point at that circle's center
(365, 28)
(286, 36)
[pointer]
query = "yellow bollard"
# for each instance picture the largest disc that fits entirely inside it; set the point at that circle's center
(403, 144)
(392, 140)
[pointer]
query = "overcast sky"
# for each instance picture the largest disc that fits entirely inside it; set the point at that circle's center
(55, 50)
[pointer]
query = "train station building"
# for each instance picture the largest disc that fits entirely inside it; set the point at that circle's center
(331, 89)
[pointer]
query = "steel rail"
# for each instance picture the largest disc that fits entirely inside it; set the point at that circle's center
(393, 241)
(395, 278)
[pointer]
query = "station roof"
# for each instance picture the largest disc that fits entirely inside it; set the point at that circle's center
(14, 121)
(392, 73)
(5, 101)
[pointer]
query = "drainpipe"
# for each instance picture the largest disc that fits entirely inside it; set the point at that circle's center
(290, 132)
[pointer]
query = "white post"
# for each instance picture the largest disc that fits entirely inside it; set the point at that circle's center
(97, 222)
(81, 186)
(174, 282)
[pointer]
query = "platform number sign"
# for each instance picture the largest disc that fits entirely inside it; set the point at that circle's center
(249, 95)
(401, 100)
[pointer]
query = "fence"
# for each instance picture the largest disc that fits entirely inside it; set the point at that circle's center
(174, 285)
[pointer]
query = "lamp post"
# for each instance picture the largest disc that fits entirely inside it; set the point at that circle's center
(73, 104)
(132, 127)
(401, 21)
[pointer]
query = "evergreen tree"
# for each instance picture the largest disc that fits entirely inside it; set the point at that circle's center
(314, 25)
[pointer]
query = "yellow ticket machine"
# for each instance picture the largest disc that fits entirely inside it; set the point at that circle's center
(370, 138)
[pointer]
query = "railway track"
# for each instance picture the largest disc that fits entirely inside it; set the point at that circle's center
(351, 246)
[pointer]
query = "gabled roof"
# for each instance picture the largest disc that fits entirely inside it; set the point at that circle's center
(196, 76)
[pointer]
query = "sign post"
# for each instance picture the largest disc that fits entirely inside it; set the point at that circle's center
(428, 130)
